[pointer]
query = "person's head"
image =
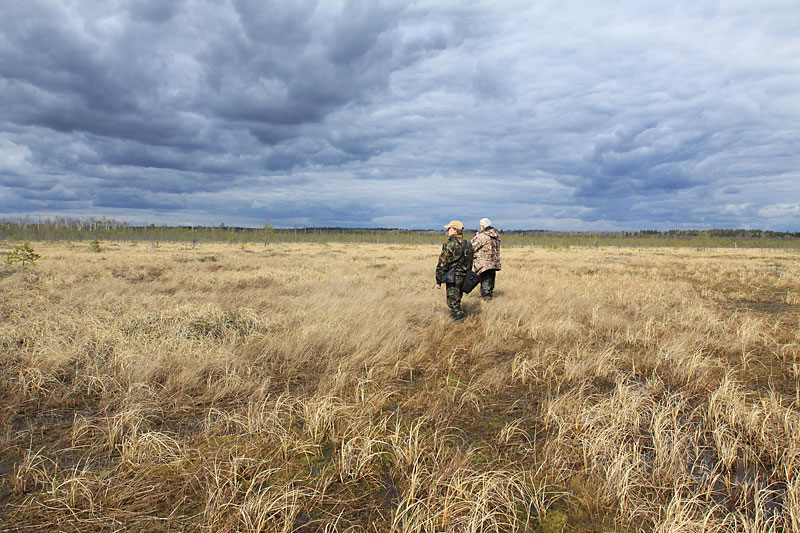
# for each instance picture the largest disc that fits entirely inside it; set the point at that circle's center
(485, 223)
(455, 227)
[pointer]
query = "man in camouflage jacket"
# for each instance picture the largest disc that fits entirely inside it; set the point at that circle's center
(456, 254)
(486, 244)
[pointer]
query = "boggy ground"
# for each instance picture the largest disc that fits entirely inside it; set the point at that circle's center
(323, 387)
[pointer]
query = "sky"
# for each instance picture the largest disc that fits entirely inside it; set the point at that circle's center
(561, 115)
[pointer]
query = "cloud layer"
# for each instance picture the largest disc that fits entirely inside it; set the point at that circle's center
(551, 115)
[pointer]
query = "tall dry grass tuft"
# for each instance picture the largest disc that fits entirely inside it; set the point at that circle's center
(302, 387)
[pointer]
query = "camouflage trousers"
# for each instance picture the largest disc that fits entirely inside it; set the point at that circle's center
(454, 300)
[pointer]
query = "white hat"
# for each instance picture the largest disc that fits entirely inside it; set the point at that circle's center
(485, 222)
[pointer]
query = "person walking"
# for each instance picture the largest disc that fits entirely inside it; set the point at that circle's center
(454, 261)
(486, 262)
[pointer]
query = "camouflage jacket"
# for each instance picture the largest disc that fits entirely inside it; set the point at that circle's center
(486, 244)
(456, 252)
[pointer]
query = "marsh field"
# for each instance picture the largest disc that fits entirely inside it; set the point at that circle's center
(323, 387)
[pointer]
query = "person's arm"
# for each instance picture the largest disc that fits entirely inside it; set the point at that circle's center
(441, 266)
(478, 242)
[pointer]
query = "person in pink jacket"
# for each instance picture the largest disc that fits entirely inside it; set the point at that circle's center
(486, 259)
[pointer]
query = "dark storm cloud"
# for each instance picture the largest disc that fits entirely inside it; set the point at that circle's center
(554, 115)
(132, 199)
(648, 162)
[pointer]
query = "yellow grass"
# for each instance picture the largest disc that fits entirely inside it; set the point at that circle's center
(323, 387)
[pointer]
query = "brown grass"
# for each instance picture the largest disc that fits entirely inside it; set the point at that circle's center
(304, 387)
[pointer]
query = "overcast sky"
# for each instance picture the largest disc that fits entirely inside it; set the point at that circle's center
(579, 115)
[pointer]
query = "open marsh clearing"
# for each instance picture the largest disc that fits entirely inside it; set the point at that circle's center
(323, 387)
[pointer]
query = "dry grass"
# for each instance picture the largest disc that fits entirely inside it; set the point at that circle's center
(324, 388)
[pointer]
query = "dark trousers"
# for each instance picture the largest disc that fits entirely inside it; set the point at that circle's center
(487, 282)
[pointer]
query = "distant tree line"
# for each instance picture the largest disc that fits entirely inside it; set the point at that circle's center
(107, 229)
(673, 233)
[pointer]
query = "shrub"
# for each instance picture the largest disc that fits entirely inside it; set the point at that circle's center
(22, 254)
